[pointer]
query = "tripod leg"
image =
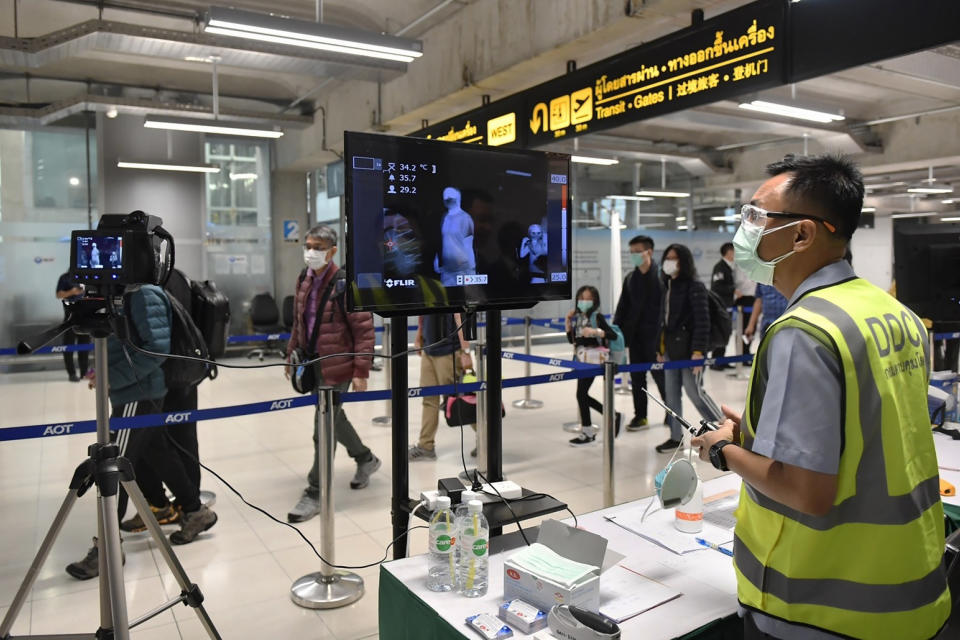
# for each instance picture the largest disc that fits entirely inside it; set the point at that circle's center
(195, 598)
(114, 563)
(38, 561)
(103, 576)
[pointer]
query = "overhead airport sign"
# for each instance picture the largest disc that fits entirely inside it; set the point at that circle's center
(738, 52)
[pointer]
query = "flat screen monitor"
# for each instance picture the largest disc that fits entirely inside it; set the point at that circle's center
(927, 269)
(435, 226)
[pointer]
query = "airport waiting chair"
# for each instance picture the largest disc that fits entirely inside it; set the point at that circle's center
(265, 318)
(288, 313)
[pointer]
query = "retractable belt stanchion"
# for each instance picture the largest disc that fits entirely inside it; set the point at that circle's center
(400, 464)
(387, 350)
(738, 368)
(328, 588)
(609, 430)
(527, 402)
(933, 345)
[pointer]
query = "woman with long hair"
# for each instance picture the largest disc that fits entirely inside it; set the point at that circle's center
(685, 334)
(588, 332)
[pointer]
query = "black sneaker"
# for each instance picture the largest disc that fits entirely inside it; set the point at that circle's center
(74, 377)
(669, 445)
(637, 423)
(89, 567)
(582, 439)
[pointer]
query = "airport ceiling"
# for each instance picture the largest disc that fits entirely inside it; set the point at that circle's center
(119, 63)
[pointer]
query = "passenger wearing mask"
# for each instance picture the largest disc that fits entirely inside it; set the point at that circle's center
(722, 283)
(588, 332)
(684, 336)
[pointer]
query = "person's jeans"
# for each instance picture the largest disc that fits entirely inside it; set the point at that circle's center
(644, 350)
(692, 383)
(344, 433)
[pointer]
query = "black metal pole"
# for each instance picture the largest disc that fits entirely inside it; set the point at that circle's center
(494, 471)
(400, 503)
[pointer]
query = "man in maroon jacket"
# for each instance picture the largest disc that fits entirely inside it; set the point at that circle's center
(339, 332)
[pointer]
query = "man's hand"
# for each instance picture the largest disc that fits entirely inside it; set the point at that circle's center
(92, 380)
(708, 439)
(418, 341)
(359, 384)
(660, 357)
(697, 356)
(749, 331)
(466, 361)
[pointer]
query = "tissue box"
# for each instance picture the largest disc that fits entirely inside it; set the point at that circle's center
(575, 544)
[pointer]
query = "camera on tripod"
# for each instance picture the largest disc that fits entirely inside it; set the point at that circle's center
(124, 250)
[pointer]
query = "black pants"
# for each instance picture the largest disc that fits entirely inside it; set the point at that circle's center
(945, 355)
(644, 350)
(586, 402)
(744, 302)
(750, 630)
(149, 448)
(71, 337)
(150, 479)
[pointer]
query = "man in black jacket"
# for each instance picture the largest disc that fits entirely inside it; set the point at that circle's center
(723, 284)
(638, 316)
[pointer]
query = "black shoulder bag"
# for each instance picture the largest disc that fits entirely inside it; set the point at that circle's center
(304, 378)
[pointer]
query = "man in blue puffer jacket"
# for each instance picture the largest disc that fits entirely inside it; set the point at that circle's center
(137, 387)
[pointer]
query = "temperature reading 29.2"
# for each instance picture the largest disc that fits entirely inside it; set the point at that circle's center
(405, 189)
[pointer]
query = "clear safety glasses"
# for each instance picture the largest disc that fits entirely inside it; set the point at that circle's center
(752, 214)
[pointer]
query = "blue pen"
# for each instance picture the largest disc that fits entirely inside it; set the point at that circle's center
(715, 547)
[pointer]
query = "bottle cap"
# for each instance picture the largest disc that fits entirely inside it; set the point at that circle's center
(474, 506)
(443, 502)
(468, 495)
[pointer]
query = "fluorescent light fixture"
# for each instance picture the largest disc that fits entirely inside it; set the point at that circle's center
(930, 190)
(651, 226)
(917, 214)
(112, 112)
(210, 126)
(950, 200)
(681, 218)
(243, 176)
(633, 198)
(169, 166)
(884, 185)
(950, 219)
(682, 227)
(655, 215)
(868, 210)
(593, 160)
(791, 112)
(311, 35)
(725, 218)
(74, 182)
(664, 194)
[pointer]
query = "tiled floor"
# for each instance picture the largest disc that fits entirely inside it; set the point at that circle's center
(246, 563)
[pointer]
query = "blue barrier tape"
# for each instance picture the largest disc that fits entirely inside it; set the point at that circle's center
(946, 336)
(57, 348)
(553, 362)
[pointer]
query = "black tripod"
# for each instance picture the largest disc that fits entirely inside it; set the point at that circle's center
(106, 470)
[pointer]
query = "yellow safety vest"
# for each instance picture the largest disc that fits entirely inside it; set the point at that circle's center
(872, 566)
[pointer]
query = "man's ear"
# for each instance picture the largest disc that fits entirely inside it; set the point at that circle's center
(805, 234)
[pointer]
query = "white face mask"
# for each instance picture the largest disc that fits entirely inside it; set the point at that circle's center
(316, 259)
(670, 267)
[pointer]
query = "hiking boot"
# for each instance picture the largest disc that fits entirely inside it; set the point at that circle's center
(164, 515)
(192, 524)
(669, 445)
(637, 423)
(307, 507)
(364, 470)
(89, 567)
(416, 452)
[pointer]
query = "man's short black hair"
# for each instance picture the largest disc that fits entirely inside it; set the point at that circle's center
(647, 241)
(726, 246)
(831, 183)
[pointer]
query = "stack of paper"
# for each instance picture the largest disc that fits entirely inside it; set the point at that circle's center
(658, 528)
(624, 593)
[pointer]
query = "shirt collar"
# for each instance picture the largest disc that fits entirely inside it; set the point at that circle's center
(824, 277)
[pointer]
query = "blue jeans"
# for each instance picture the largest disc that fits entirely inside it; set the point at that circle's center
(693, 384)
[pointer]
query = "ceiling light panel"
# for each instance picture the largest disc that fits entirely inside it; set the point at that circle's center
(663, 194)
(593, 160)
(211, 126)
(312, 35)
(168, 166)
(788, 111)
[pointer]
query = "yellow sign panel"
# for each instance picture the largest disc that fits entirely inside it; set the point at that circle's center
(539, 118)
(582, 105)
(560, 113)
(502, 129)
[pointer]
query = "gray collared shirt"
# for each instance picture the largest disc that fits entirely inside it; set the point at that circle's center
(800, 419)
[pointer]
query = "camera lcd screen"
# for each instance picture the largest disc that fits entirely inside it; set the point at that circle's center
(435, 225)
(95, 252)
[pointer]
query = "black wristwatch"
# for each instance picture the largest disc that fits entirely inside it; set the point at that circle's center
(717, 459)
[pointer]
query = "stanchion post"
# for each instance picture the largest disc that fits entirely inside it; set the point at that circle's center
(609, 430)
(933, 345)
(481, 363)
(328, 588)
(738, 367)
(387, 350)
(527, 402)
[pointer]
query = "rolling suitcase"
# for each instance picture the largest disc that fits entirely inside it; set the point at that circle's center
(211, 310)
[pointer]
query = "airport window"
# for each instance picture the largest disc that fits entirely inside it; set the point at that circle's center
(239, 194)
(58, 161)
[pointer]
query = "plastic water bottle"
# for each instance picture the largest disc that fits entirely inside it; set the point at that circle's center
(473, 537)
(689, 517)
(461, 509)
(441, 566)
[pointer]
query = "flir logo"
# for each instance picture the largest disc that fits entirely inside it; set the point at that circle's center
(178, 418)
(389, 283)
(58, 429)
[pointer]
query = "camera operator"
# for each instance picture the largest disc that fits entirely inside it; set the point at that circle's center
(68, 290)
(137, 387)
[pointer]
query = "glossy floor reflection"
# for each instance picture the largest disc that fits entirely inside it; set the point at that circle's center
(246, 563)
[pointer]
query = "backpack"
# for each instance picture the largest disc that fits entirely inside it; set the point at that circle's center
(211, 311)
(617, 346)
(721, 324)
(185, 340)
